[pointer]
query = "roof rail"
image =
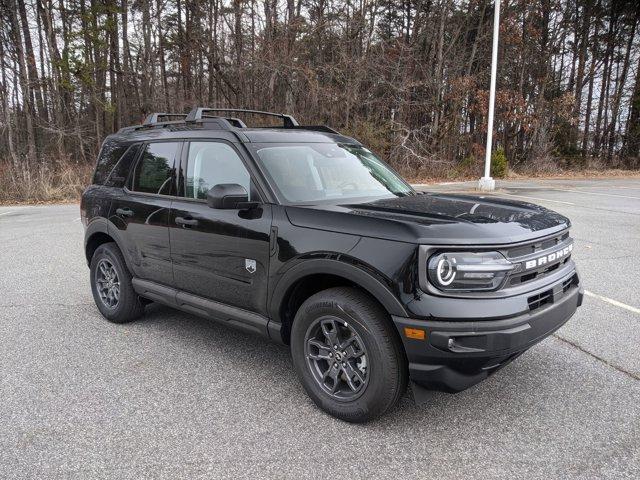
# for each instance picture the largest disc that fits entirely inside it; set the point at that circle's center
(152, 118)
(199, 113)
(317, 128)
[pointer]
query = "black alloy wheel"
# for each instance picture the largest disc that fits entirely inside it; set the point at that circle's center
(337, 358)
(107, 283)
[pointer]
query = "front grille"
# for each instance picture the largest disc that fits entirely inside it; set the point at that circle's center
(537, 301)
(532, 250)
(538, 245)
(566, 285)
(517, 279)
(546, 297)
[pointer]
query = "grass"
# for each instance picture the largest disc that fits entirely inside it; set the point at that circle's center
(59, 181)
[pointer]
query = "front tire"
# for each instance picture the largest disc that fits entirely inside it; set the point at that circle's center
(347, 354)
(111, 285)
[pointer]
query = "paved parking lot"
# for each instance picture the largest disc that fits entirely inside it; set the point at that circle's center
(175, 396)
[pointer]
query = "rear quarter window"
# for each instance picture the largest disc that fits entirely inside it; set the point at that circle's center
(109, 155)
(154, 171)
(120, 173)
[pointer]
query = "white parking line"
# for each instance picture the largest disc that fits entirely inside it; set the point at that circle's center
(510, 194)
(613, 302)
(602, 194)
(619, 186)
(536, 198)
(553, 189)
(6, 213)
(417, 185)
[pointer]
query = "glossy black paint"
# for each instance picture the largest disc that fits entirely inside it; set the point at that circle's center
(244, 266)
(228, 196)
(210, 257)
(143, 225)
(435, 219)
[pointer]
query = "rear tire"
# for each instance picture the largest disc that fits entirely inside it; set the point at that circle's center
(111, 285)
(362, 389)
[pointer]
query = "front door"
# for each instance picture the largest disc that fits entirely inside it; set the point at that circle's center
(141, 212)
(222, 255)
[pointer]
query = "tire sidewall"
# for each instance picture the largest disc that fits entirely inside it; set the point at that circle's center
(367, 405)
(105, 251)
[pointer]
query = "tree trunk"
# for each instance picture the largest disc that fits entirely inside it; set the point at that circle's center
(4, 101)
(163, 66)
(584, 42)
(620, 86)
(31, 60)
(587, 114)
(24, 84)
(632, 135)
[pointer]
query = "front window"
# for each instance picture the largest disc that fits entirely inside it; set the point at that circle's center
(316, 172)
(213, 163)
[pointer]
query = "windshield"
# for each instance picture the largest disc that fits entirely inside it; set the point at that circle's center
(315, 172)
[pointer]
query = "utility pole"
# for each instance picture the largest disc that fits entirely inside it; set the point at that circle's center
(487, 183)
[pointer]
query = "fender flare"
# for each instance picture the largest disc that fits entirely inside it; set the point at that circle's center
(349, 271)
(102, 225)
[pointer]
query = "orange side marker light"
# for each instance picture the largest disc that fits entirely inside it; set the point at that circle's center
(414, 333)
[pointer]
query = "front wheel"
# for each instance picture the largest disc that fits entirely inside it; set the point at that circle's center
(348, 355)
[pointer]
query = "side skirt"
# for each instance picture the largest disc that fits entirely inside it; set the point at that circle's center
(203, 307)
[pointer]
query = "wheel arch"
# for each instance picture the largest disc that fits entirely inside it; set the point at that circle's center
(312, 276)
(98, 233)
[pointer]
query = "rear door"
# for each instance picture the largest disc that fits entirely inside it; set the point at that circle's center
(221, 255)
(141, 213)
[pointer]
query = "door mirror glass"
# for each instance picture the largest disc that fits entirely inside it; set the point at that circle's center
(227, 196)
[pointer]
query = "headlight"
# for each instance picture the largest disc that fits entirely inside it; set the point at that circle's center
(468, 270)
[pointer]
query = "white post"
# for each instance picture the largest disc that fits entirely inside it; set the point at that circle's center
(487, 183)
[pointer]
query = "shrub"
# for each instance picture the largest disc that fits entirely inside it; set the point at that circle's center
(58, 180)
(499, 164)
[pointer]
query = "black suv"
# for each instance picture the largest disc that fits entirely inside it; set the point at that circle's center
(305, 237)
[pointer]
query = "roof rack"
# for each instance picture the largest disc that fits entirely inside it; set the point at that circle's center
(198, 113)
(152, 118)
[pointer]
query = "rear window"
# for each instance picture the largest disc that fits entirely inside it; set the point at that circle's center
(120, 172)
(154, 170)
(109, 155)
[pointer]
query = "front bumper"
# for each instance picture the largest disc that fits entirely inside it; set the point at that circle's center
(454, 355)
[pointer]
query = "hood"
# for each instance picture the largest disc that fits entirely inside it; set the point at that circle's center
(435, 219)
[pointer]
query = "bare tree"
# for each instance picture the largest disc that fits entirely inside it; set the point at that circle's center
(408, 77)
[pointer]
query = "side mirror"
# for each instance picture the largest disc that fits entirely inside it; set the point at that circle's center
(228, 196)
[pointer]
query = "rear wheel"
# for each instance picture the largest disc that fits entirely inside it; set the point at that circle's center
(347, 354)
(111, 285)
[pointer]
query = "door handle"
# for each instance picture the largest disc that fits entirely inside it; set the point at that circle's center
(124, 212)
(186, 221)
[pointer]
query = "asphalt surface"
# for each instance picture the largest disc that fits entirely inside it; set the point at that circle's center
(175, 396)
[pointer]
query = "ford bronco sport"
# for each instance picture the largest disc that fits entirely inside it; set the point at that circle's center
(305, 237)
